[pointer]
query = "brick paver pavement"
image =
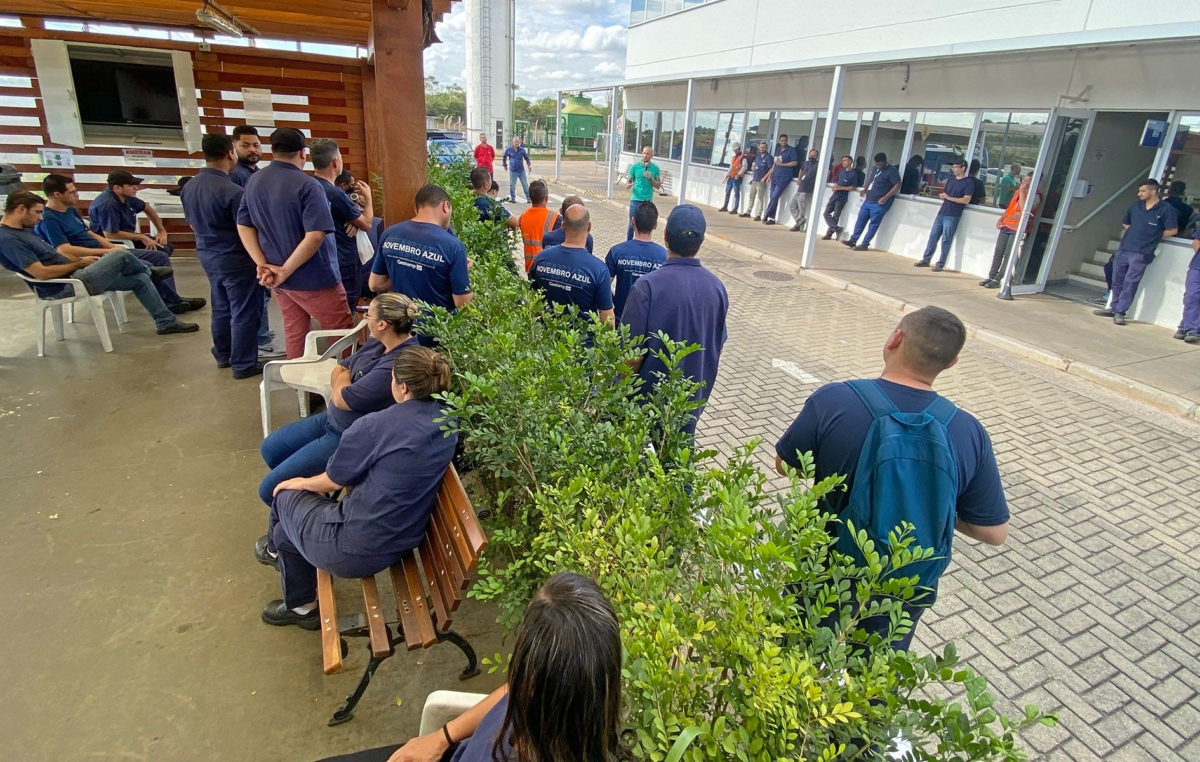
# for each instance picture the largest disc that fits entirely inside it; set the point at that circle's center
(1089, 609)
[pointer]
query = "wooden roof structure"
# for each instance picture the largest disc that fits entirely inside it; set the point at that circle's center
(340, 21)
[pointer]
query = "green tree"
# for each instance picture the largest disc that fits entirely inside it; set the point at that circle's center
(444, 100)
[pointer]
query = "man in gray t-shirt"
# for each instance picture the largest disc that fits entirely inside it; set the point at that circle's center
(21, 251)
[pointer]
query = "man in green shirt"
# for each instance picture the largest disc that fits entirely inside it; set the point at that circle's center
(1008, 186)
(643, 177)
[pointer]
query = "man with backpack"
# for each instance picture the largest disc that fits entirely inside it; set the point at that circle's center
(908, 455)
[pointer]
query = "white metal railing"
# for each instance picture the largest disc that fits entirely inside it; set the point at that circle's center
(1140, 176)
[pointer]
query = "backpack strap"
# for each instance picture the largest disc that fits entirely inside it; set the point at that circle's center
(876, 401)
(942, 410)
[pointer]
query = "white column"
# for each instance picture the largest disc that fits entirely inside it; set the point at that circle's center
(821, 190)
(1035, 182)
(612, 144)
(686, 157)
(558, 131)
(853, 141)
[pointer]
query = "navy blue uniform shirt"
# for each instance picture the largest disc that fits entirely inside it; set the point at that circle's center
(784, 175)
(848, 178)
(1183, 211)
(956, 188)
(629, 261)
(210, 203)
(762, 165)
(489, 209)
(424, 262)
(688, 303)
(834, 422)
(109, 214)
(242, 173)
(567, 275)
(21, 248)
(478, 748)
(370, 388)
(980, 191)
(57, 228)
(1146, 227)
(344, 211)
(882, 183)
(556, 237)
(809, 171)
(395, 459)
(283, 204)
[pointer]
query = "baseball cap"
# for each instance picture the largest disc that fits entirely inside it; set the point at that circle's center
(287, 139)
(959, 162)
(121, 177)
(686, 221)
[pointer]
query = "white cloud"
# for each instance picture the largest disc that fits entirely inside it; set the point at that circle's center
(563, 44)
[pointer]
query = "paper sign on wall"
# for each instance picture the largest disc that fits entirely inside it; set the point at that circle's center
(257, 103)
(139, 157)
(56, 158)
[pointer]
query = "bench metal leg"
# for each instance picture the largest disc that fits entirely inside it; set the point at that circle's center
(472, 668)
(346, 713)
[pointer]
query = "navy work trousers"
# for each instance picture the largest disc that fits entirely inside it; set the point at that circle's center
(236, 308)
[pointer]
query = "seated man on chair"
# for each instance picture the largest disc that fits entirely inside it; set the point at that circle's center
(113, 270)
(395, 459)
(113, 214)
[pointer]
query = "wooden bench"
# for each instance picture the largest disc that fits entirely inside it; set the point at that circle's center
(428, 585)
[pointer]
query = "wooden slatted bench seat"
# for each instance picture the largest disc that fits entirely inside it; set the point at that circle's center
(428, 586)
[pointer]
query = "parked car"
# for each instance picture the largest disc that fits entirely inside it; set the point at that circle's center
(449, 146)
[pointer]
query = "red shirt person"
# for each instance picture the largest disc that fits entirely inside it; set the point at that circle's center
(485, 155)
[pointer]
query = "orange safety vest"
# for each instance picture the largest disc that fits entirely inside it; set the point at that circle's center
(536, 222)
(1012, 215)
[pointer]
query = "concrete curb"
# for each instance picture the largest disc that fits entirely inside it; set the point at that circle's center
(1166, 401)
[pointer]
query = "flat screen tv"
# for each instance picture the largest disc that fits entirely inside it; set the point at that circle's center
(127, 94)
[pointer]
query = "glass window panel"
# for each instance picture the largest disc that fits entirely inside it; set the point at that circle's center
(654, 9)
(670, 6)
(1005, 139)
(648, 121)
(677, 138)
(796, 125)
(631, 130)
(665, 134)
(891, 129)
(939, 137)
(758, 129)
(703, 133)
(637, 12)
(1183, 165)
(730, 128)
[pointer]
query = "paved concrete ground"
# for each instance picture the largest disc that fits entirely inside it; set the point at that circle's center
(1139, 351)
(133, 599)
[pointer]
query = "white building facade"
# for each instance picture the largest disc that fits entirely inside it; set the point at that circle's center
(1090, 95)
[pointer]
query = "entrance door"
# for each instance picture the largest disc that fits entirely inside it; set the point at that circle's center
(1060, 168)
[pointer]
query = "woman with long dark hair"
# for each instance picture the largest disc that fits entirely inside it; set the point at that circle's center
(562, 702)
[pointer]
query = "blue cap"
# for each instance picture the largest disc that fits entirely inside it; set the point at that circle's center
(686, 221)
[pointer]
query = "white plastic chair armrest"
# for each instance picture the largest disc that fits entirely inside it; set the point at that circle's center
(310, 341)
(80, 290)
(443, 706)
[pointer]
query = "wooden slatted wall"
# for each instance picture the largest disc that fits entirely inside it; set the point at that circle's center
(320, 95)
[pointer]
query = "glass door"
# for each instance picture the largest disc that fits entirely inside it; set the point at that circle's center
(1064, 148)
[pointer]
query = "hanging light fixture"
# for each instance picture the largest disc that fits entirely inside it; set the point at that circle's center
(216, 17)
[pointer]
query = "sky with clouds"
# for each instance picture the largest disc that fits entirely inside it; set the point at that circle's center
(560, 45)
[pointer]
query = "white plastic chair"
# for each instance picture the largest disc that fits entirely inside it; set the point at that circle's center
(443, 706)
(306, 374)
(80, 296)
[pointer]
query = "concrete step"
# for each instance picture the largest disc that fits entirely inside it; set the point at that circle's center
(1113, 243)
(1083, 279)
(1101, 257)
(1092, 270)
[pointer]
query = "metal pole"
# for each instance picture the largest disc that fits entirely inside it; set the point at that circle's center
(819, 190)
(1018, 237)
(686, 158)
(558, 136)
(612, 144)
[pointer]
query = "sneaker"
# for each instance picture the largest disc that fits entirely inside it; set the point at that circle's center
(160, 273)
(268, 351)
(768, 222)
(1099, 301)
(179, 327)
(757, 217)
(1119, 318)
(277, 613)
(849, 243)
(992, 284)
(862, 247)
(723, 209)
(920, 263)
(1192, 337)
(794, 228)
(735, 211)
(938, 268)
(744, 214)
(1180, 334)
(1103, 313)
(257, 370)
(828, 235)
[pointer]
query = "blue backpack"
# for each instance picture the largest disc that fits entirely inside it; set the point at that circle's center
(907, 472)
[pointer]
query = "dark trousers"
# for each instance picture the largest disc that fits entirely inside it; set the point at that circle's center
(264, 323)
(733, 185)
(944, 228)
(351, 275)
(300, 531)
(1191, 302)
(236, 307)
(1108, 268)
(1128, 269)
(1000, 254)
(833, 212)
(302, 448)
(160, 257)
(773, 199)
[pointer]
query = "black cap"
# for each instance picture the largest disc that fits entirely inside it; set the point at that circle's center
(959, 162)
(121, 177)
(287, 139)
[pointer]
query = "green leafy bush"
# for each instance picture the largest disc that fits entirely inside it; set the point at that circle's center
(740, 619)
